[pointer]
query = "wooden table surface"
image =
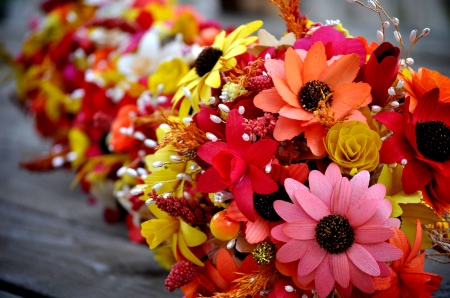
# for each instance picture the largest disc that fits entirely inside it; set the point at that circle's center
(54, 244)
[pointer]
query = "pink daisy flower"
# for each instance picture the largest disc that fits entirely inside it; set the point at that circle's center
(337, 229)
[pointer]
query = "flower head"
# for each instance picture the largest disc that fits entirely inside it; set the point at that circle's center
(310, 94)
(337, 230)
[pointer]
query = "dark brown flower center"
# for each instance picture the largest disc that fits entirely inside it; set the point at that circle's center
(264, 203)
(312, 93)
(206, 60)
(334, 234)
(433, 140)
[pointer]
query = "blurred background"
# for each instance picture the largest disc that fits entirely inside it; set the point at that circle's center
(53, 244)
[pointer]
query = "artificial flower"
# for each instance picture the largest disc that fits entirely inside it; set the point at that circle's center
(310, 95)
(407, 278)
(213, 60)
(418, 83)
(337, 229)
(168, 74)
(421, 142)
(238, 165)
(353, 146)
(182, 235)
(381, 71)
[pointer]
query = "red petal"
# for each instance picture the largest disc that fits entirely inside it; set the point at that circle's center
(299, 172)
(393, 120)
(243, 195)
(235, 130)
(260, 153)
(210, 149)
(209, 182)
(260, 181)
(416, 175)
(396, 148)
(234, 213)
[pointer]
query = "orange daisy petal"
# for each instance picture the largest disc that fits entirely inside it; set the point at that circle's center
(294, 67)
(348, 97)
(288, 95)
(286, 129)
(269, 100)
(315, 62)
(342, 71)
(257, 231)
(296, 113)
(314, 135)
(275, 68)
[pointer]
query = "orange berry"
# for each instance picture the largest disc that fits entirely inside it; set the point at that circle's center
(224, 228)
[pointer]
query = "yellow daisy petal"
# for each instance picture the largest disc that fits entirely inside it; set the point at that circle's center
(186, 252)
(192, 236)
(213, 79)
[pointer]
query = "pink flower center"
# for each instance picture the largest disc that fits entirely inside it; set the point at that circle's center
(231, 167)
(334, 234)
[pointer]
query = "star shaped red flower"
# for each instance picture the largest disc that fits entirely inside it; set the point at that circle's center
(238, 165)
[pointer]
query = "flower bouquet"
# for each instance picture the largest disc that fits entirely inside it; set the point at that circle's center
(310, 166)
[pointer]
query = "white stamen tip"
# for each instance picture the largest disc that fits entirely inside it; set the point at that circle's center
(289, 289)
(395, 21)
(212, 100)
(193, 167)
(413, 35)
(187, 119)
(395, 104)
(268, 168)
(215, 119)
(149, 202)
(58, 161)
(426, 31)
(224, 108)
(187, 93)
(267, 57)
(404, 161)
(386, 24)
(157, 164)
(141, 171)
(397, 36)
(211, 137)
(121, 171)
(157, 186)
(160, 88)
(136, 191)
(175, 158)
(132, 172)
(400, 84)
(139, 135)
(376, 109)
(231, 243)
(246, 137)
(380, 36)
(409, 61)
(150, 143)
(241, 110)
(371, 4)
(71, 156)
(391, 91)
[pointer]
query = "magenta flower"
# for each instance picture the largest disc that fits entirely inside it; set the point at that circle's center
(337, 230)
(238, 165)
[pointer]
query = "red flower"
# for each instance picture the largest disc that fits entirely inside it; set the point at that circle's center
(238, 165)
(381, 71)
(422, 141)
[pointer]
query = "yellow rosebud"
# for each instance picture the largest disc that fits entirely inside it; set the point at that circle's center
(353, 146)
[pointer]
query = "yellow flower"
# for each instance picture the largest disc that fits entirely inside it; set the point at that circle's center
(353, 146)
(182, 235)
(213, 60)
(169, 73)
(408, 206)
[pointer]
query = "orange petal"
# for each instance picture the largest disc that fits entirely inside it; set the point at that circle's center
(315, 62)
(248, 265)
(234, 213)
(348, 97)
(226, 265)
(257, 231)
(294, 67)
(296, 113)
(275, 68)
(342, 71)
(269, 100)
(314, 135)
(286, 129)
(213, 273)
(288, 95)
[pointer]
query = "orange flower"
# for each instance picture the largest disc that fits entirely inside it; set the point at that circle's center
(423, 81)
(407, 278)
(311, 94)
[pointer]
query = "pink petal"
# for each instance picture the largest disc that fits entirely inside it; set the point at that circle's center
(359, 184)
(275, 68)
(234, 131)
(277, 233)
(341, 269)
(293, 250)
(376, 191)
(355, 46)
(320, 187)
(362, 212)
(243, 195)
(385, 270)
(311, 259)
(288, 95)
(291, 187)
(209, 182)
(372, 234)
(384, 252)
(361, 280)
(290, 212)
(312, 205)
(362, 259)
(392, 223)
(382, 214)
(333, 174)
(257, 231)
(324, 279)
(304, 280)
(260, 153)
(260, 181)
(300, 230)
(341, 197)
(210, 149)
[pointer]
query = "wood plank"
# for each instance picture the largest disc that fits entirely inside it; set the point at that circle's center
(61, 258)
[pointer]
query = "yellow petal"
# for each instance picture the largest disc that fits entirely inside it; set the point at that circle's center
(192, 236)
(213, 79)
(186, 252)
(396, 209)
(163, 229)
(158, 212)
(409, 228)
